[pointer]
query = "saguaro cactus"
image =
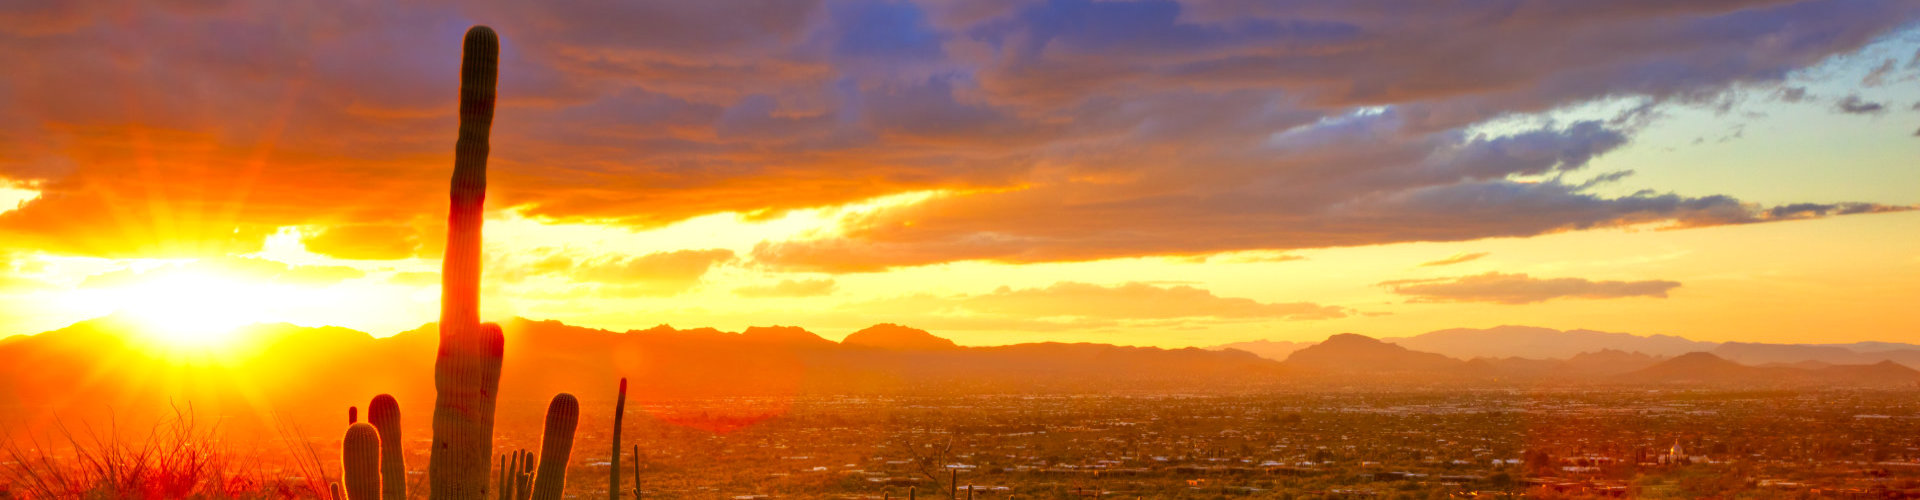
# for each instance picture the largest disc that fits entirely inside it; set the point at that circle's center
(384, 414)
(619, 413)
(360, 462)
(563, 416)
(467, 369)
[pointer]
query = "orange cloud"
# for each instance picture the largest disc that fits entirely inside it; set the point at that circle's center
(788, 288)
(251, 268)
(1504, 288)
(1130, 301)
(1140, 128)
(1455, 259)
(414, 278)
(364, 242)
(654, 274)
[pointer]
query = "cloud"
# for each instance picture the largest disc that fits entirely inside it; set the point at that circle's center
(1358, 181)
(1878, 76)
(1854, 105)
(1130, 301)
(1519, 288)
(364, 241)
(788, 288)
(415, 278)
(1176, 128)
(1455, 259)
(243, 268)
(654, 274)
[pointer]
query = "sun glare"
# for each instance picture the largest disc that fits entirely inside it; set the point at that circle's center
(195, 310)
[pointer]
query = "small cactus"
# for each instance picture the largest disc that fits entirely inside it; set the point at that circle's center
(360, 462)
(523, 488)
(384, 414)
(563, 416)
(501, 487)
(613, 475)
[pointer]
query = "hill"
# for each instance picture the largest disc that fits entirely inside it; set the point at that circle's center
(1838, 354)
(1349, 353)
(896, 337)
(1533, 342)
(1707, 368)
(1270, 349)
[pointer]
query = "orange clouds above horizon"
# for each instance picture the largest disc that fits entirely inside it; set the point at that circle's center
(1161, 128)
(852, 149)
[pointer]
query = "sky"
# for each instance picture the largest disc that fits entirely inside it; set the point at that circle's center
(1166, 173)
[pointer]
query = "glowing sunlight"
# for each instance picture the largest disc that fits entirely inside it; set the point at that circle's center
(196, 310)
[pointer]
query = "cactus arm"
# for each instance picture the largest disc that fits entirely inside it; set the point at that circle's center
(563, 416)
(613, 471)
(501, 486)
(524, 489)
(636, 472)
(384, 414)
(467, 368)
(360, 461)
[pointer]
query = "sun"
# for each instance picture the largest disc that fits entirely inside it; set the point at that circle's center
(195, 310)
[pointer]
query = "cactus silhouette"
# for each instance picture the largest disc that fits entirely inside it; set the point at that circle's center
(467, 369)
(501, 487)
(360, 462)
(619, 412)
(636, 472)
(523, 488)
(384, 414)
(563, 416)
(514, 475)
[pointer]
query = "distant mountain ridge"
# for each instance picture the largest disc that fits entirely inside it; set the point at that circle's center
(299, 370)
(1537, 343)
(892, 336)
(1543, 343)
(1271, 349)
(1354, 353)
(1707, 368)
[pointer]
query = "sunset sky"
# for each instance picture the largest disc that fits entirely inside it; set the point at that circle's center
(994, 171)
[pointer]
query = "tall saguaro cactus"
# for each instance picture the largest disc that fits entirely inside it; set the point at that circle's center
(467, 369)
(619, 413)
(384, 414)
(360, 462)
(563, 416)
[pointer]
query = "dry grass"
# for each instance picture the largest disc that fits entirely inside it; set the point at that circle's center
(177, 458)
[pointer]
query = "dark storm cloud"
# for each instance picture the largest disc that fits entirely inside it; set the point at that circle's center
(1061, 130)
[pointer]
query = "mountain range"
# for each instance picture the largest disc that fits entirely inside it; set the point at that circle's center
(103, 363)
(1538, 343)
